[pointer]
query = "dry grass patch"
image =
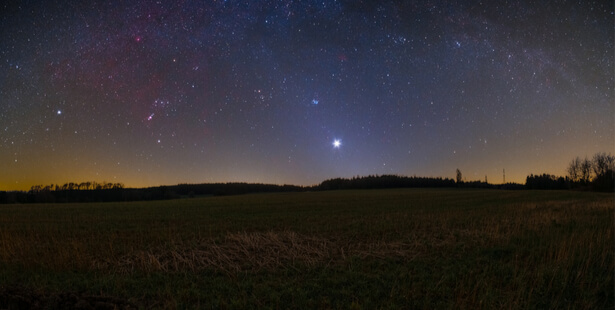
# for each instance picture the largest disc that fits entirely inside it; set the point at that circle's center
(253, 251)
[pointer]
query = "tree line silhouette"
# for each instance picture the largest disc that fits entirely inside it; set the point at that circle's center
(384, 181)
(76, 186)
(596, 174)
(108, 192)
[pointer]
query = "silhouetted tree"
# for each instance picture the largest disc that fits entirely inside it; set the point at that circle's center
(602, 163)
(574, 169)
(459, 177)
(586, 170)
(545, 181)
(603, 166)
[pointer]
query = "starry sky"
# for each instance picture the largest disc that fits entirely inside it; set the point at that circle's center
(295, 92)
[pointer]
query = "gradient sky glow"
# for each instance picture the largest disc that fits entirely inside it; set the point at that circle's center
(164, 92)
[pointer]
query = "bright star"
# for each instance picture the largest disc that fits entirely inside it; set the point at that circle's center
(314, 101)
(337, 143)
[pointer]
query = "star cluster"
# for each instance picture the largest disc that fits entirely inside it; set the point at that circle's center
(166, 92)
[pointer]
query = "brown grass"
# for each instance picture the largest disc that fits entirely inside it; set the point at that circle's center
(531, 253)
(419, 235)
(253, 251)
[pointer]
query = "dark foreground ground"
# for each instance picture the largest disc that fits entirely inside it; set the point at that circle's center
(407, 248)
(20, 298)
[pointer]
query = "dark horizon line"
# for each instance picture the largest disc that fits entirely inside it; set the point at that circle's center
(357, 177)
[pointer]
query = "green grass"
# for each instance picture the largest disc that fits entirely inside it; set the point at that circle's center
(372, 249)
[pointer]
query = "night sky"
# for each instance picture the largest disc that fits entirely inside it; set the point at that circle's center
(295, 92)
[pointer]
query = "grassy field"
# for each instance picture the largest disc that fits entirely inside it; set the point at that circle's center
(371, 249)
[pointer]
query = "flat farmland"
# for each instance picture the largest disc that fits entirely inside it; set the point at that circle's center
(364, 249)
